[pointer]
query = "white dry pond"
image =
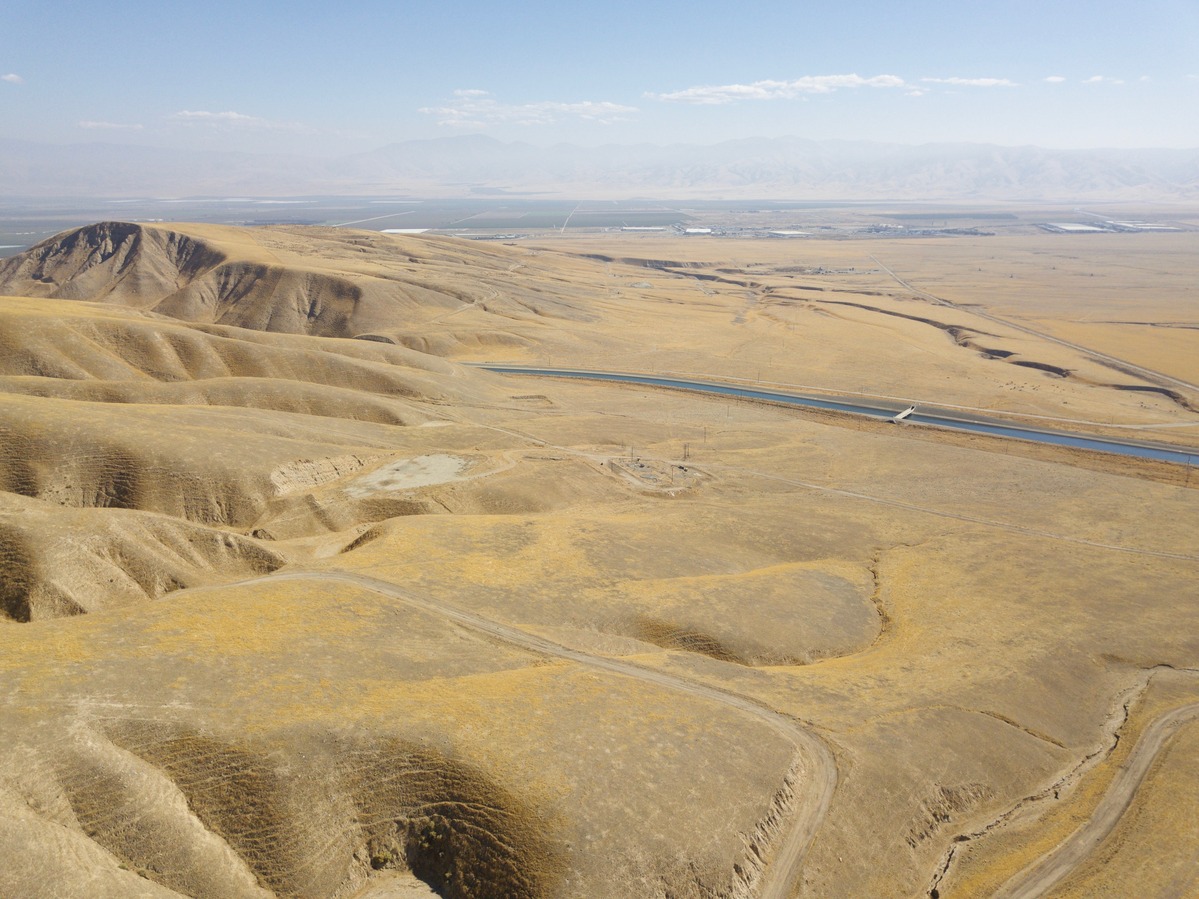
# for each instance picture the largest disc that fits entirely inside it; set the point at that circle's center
(408, 474)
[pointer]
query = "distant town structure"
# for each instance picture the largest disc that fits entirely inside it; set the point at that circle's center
(1104, 227)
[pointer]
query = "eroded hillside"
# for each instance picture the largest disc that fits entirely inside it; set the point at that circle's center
(322, 282)
(295, 603)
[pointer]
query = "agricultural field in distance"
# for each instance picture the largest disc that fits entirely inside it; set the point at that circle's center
(23, 224)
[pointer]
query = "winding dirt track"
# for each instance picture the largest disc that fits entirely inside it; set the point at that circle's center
(1051, 868)
(1115, 362)
(816, 761)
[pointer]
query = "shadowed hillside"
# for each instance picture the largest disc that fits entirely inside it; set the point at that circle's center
(326, 283)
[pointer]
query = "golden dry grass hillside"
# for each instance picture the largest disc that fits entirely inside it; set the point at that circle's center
(297, 601)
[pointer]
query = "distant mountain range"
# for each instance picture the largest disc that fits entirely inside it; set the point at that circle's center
(777, 168)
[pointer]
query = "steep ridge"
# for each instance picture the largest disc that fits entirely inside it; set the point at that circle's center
(109, 408)
(312, 820)
(302, 832)
(78, 342)
(101, 559)
(266, 280)
(139, 454)
(182, 277)
(113, 261)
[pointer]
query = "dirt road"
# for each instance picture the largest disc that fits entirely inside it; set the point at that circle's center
(1121, 365)
(1040, 877)
(816, 762)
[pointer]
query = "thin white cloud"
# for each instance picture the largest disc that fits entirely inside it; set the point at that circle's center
(477, 109)
(972, 82)
(1102, 79)
(92, 125)
(189, 115)
(1055, 79)
(230, 119)
(12, 78)
(714, 95)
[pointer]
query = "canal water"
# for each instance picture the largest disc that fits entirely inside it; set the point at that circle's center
(1057, 438)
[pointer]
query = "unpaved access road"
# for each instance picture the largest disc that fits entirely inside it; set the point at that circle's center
(960, 421)
(1051, 868)
(813, 793)
(1121, 365)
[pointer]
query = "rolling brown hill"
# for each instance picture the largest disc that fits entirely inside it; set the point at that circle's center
(294, 603)
(320, 282)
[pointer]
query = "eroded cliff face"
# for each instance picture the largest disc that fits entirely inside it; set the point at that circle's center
(174, 274)
(347, 285)
(117, 262)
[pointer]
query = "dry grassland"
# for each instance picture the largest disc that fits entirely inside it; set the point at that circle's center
(295, 603)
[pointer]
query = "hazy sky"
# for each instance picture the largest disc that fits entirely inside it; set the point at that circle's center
(318, 78)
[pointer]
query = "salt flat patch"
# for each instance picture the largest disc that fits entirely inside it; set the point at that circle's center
(408, 474)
